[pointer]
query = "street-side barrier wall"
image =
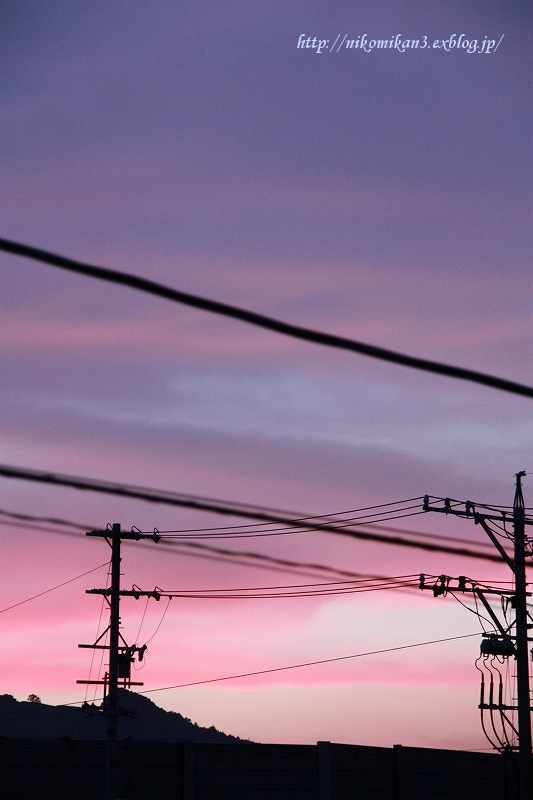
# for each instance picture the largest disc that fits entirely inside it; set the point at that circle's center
(68, 769)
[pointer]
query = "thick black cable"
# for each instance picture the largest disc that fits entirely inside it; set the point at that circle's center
(326, 518)
(296, 331)
(51, 520)
(230, 531)
(218, 507)
(235, 557)
(303, 519)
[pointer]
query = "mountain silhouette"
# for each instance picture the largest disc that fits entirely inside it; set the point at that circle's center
(141, 719)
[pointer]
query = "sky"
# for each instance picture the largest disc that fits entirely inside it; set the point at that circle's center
(378, 193)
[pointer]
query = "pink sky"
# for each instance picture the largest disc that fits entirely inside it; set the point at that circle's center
(385, 197)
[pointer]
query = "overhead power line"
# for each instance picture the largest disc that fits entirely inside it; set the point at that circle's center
(238, 558)
(53, 588)
(220, 507)
(262, 321)
(241, 558)
(204, 551)
(58, 709)
(50, 520)
(370, 584)
(308, 664)
(250, 531)
(373, 581)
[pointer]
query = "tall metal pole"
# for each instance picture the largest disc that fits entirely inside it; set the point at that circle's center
(522, 654)
(521, 627)
(112, 696)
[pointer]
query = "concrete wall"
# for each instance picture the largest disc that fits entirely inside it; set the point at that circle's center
(67, 769)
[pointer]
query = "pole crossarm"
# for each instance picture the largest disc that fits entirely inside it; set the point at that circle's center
(443, 586)
(497, 707)
(135, 535)
(469, 512)
(127, 683)
(136, 593)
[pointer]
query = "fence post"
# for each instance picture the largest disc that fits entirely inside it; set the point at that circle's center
(398, 771)
(324, 770)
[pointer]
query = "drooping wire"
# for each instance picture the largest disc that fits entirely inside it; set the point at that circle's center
(473, 611)
(482, 703)
(93, 654)
(489, 663)
(136, 639)
(102, 652)
(160, 621)
(481, 616)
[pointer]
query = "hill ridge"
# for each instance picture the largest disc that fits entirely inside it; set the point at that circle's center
(143, 720)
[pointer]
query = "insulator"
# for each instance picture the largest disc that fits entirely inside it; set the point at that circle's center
(441, 587)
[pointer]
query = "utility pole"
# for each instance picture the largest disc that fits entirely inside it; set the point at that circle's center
(503, 643)
(522, 655)
(120, 655)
